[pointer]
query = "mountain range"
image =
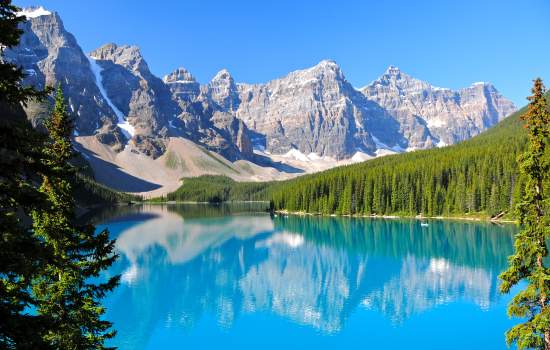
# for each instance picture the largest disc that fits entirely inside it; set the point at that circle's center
(141, 133)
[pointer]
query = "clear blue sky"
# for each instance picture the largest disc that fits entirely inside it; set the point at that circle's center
(448, 43)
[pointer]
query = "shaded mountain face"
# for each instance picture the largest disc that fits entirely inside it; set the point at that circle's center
(114, 96)
(430, 116)
(206, 115)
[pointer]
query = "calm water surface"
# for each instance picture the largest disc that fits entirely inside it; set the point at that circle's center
(203, 277)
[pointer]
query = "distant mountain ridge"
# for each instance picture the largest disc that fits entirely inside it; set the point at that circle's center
(309, 120)
(431, 116)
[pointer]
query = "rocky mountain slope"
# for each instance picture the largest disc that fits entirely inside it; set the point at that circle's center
(430, 115)
(316, 110)
(309, 120)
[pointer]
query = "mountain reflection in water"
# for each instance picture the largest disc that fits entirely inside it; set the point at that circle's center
(178, 268)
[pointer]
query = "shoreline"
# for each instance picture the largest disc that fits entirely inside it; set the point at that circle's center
(195, 202)
(301, 213)
(416, 217)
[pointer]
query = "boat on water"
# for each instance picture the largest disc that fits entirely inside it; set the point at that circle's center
(424, 224)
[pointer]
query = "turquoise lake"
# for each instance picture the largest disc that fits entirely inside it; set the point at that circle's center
(234, 277)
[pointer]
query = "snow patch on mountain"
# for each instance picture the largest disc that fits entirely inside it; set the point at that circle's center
(436, 123)
(171, 124)
(381, 147)
(178, 81)
(127, 129)
(359, 157)
(437, 88)
(295, 154)
(313, 157)
(381, 152)
(33, 12)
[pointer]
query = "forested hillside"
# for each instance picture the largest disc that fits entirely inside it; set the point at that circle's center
(478, 177)
(89, 192)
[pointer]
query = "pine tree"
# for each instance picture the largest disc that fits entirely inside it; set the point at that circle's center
(527, 263)
(66, 295)
(21, 254)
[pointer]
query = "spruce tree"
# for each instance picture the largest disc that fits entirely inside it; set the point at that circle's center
(527, 262)
(21, 254)
(65, 292)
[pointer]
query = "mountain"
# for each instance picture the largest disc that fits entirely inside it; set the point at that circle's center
(432, 116)
(50, 55)
(135, 127)
(316, 110)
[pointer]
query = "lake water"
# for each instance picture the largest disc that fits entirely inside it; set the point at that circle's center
(232, 277)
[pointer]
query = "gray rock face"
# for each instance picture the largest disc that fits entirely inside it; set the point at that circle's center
(207, 114)
(222, 92)
(316, 110)
(183, 85)
(50, 55)
(235, 131)
(430, 115)
(143, 98)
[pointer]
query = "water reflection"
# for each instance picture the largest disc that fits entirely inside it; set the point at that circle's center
(421, 285)
(181, 240)
(179, 269)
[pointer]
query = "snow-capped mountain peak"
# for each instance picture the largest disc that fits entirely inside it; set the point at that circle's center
(222, 75)
(323, 67)
(392, 70)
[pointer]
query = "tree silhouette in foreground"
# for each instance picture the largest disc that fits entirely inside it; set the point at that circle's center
(67, 291)
(527, 262)
(21, 254)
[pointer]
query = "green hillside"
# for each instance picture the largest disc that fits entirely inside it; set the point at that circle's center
(476, 177)
(89, 192)
(216, 188)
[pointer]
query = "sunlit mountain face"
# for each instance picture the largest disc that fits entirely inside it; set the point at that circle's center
(183, 272)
